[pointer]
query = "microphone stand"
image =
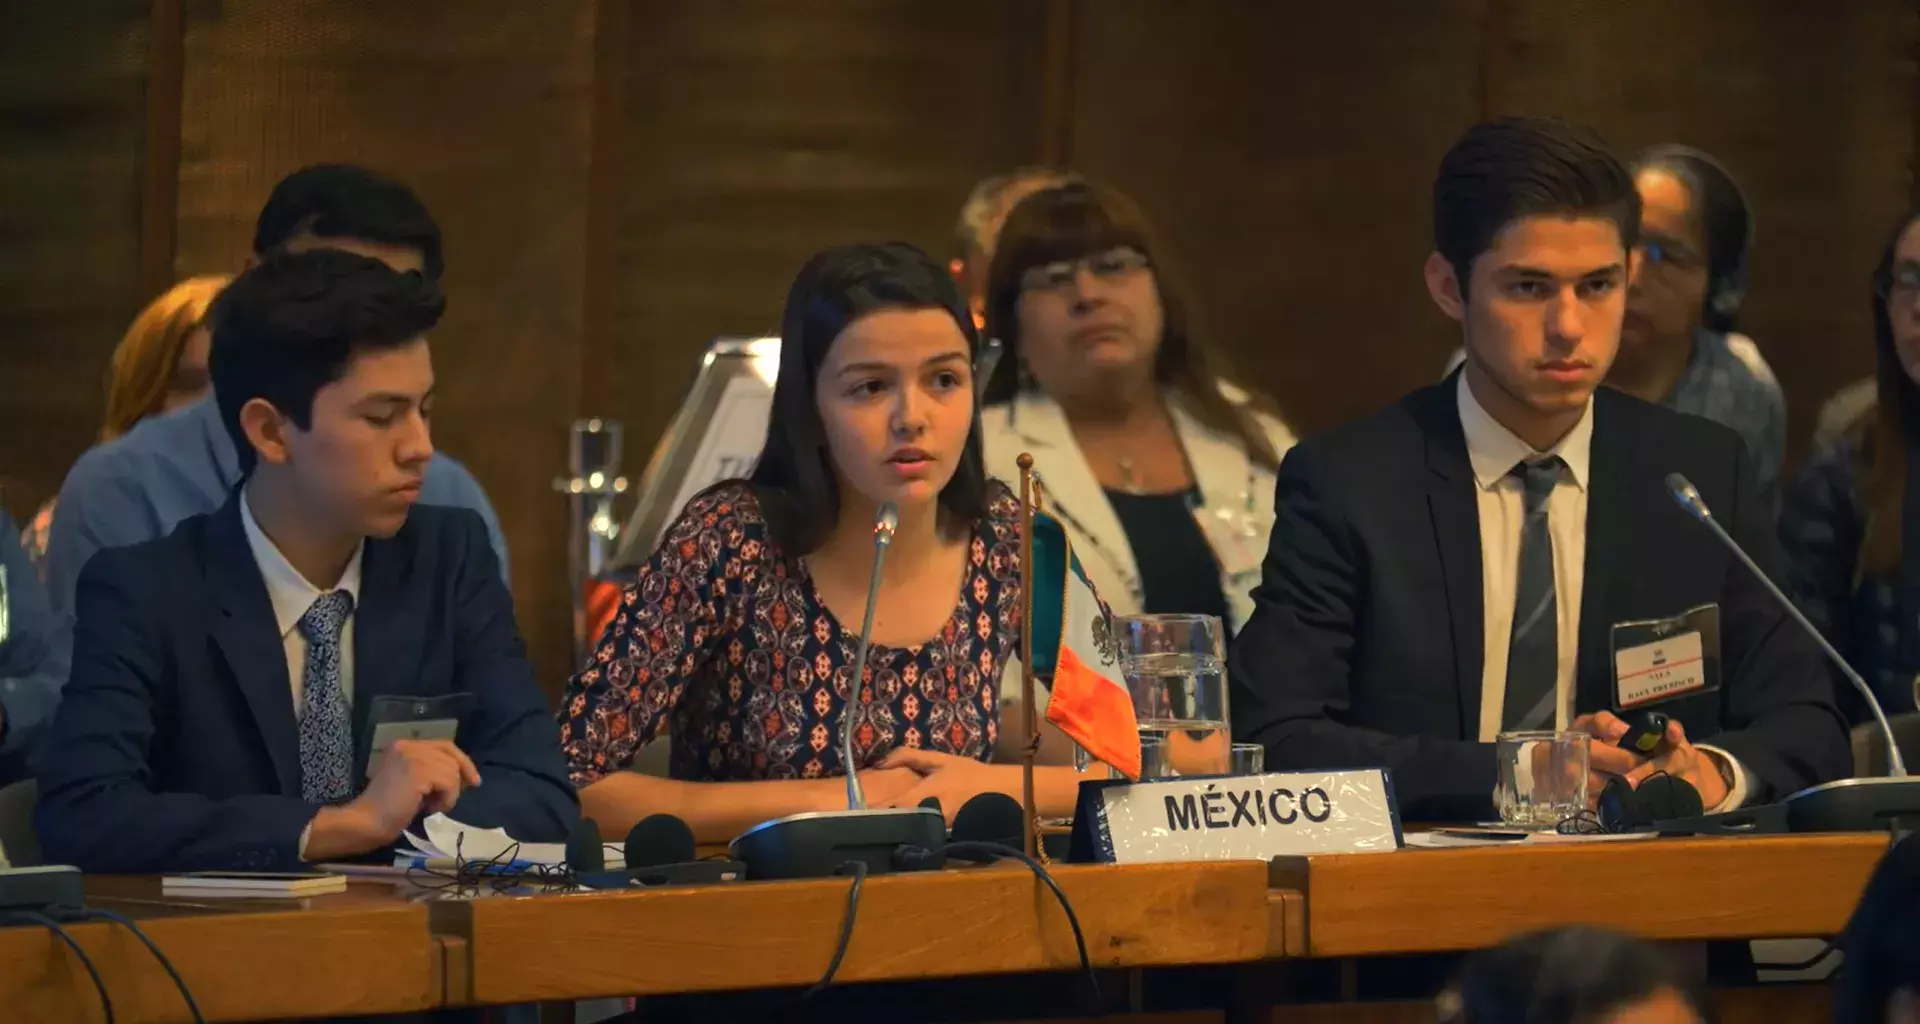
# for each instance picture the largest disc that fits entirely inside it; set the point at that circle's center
(1846, 805)
(884, 526)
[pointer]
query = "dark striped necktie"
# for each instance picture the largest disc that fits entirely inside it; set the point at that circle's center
(1533, 651)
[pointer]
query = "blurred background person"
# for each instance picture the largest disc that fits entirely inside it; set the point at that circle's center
(1160, 468)
(981, 218)
(26, 624)
(1678, 346)
(1575, 975)
(1880, 981)
(1845, 517)
(160, 365)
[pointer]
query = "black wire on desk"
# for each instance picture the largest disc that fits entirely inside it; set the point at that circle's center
(859, 868)
(973, 849)
(99, 985)
(154, 948)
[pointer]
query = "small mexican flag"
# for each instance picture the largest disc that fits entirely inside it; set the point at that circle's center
(1075, 648)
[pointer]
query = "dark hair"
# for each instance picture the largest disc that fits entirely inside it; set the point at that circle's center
(1725, 220)
(292, 323)
(1081, 218)
(1501, 171)
(794, 479)
(1882, 939)
(1565, 976)
(1882, 437)
(344, 201)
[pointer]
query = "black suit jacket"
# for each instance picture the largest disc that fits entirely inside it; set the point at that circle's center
(175, 746)
(1365, 646)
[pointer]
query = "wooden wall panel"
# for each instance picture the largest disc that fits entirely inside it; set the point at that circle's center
(483, 107)
(72, 131)
(759, 131)
(1810, 105)
(1286, 153)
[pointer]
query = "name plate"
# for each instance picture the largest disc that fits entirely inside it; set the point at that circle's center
(1246, 817)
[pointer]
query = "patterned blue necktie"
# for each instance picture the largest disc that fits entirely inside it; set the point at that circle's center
(1533, 652)
(326, 729)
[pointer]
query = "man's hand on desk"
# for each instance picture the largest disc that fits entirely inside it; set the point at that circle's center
(1677, 757)
(416, 777)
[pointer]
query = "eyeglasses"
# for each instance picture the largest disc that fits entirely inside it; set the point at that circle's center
(1059, 276)
(1658, 253)
(1902, 285)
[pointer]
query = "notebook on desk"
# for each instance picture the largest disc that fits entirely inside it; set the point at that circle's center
(253, 884)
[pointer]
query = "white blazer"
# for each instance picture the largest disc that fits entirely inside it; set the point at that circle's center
(1236, 492)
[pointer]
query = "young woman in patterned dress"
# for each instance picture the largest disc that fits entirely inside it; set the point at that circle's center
(738, 637)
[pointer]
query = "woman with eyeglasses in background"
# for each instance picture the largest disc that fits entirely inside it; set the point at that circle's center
(1161, 470)
(1845, 517)
(160, 365)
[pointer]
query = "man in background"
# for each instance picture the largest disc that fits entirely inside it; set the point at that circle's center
(975, 233)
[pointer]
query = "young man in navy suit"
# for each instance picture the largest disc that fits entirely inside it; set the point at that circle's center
(218, 712)
(1467, 561)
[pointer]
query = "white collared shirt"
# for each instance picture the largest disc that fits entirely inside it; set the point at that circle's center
(1493, 451)
(291, 595)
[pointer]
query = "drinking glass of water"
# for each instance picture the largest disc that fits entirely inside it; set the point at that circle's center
(1175, 668)
(1542, 778)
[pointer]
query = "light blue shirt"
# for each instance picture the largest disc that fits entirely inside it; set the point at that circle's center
(137, 488)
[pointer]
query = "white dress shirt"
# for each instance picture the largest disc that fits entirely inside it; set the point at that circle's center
(292, 596)
(1494, 451)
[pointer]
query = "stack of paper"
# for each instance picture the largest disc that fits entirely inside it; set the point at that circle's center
(447, 839)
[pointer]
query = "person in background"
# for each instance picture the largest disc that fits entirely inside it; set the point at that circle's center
(1160, 468)
(139, 486)
(1575, 975)
(26, 627)
(981, 217)
(1678, 345)
(160, 365)
(1844, 522)
(1880, 981)
(1454, 566)
(741, 628)
(225, 676)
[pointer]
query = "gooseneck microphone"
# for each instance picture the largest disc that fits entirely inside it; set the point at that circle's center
(1689, 498)
(884, 525)
(816, 844)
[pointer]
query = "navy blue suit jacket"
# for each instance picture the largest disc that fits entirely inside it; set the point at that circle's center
(175, 747)
(1365, 647)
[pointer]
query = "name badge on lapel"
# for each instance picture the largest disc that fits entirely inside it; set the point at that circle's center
(1656, 660)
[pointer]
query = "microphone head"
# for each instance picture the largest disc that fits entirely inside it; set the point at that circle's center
(584, 851)
(990, 818)
(1666, 797)
(885, 522)
(659, 839)
(1687, 495)
(931, 803)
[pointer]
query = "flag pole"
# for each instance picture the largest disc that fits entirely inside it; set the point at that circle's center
(1028, 712)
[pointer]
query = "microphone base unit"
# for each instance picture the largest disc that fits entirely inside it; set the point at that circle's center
(1848, 805)
(818, 843)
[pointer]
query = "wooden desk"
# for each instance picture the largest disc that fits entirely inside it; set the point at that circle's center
(362, 951)
(993, 920)
(1453, 899)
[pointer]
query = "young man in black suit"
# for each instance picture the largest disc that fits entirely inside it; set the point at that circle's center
(1455, 566)
(224, 676)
